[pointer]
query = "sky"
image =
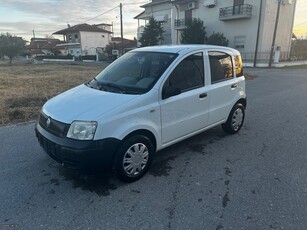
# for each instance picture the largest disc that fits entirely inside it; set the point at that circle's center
(21, 17)
(300, 22)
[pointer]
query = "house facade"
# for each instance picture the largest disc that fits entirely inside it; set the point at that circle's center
(248, 24)
(84, 39)
(43, 46)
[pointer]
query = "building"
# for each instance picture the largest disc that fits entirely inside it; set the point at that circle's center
(128, 44)
(43, 46)
(248, 24)
(84, 39)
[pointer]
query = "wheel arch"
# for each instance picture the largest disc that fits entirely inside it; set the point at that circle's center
(145, 133)
(242, 101)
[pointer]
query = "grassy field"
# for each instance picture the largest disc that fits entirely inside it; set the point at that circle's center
(24, 87)
(296, 67)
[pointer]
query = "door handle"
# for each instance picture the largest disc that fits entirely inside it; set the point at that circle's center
(233, 86)
(203, 95)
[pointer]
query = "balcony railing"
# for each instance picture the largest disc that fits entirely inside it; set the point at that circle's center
(236, 12)
(182, 23)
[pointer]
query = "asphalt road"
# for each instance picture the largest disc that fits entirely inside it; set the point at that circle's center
(256, 179)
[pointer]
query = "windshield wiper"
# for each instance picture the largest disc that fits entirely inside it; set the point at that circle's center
(114, 86)
(95, 84)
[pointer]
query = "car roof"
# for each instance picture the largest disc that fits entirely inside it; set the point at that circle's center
(184, 48)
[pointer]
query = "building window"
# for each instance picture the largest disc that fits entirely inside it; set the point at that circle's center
(69, 37)
(239, 42)
(76, 36)
(238, 2)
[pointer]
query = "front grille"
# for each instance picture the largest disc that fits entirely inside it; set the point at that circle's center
(54, 127)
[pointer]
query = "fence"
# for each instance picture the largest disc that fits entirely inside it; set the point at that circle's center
(263, 57)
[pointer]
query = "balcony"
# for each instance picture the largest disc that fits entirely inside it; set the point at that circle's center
(236, 12)
(181, 24)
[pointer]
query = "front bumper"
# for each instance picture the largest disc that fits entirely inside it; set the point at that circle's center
(75, 154)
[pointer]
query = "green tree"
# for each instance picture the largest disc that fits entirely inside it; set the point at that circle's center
(152, 33)
(217, 39)
(194, 33)
(11, 46)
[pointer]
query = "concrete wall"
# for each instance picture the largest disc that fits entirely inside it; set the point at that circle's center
(284, 29)
(91, 40)
(245, 28)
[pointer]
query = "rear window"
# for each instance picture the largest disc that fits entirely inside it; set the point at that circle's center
(238, 66)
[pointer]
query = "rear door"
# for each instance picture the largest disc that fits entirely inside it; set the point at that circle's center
(224, 86)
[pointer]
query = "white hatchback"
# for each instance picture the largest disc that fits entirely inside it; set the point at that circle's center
(146, 100)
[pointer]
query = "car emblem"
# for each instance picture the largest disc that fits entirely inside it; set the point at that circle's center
(48, 122)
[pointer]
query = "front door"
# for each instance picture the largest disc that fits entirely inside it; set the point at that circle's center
(187, 110)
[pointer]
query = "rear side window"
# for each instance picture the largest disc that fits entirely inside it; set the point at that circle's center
(221, 66)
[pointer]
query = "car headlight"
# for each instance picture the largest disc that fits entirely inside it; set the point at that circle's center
(82, 130)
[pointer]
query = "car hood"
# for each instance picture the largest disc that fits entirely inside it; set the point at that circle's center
(83, 103)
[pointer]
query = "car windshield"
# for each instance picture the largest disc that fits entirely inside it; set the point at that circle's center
(135, 72)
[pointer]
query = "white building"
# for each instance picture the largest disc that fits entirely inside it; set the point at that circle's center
(84, 39)
(247, 24)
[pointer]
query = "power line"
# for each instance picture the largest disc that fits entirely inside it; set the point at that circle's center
(102, 13)
(135, 3)
(118, 6)
(125, 4)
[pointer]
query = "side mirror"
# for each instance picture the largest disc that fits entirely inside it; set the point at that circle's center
(170, 92)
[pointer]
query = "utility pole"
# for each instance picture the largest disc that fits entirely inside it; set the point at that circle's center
(121, 28)
(274, 35)
(258, 31)
(33, 34)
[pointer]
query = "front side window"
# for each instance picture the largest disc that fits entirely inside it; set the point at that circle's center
(133, 73)
(221, 66)
(189, 74)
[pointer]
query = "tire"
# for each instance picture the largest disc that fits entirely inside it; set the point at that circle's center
(235, 119)
(133, 158)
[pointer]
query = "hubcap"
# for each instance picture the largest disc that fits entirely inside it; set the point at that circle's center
(237, 119)
(135, 159)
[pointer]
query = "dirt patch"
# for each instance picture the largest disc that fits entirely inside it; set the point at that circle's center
(249, 76)
(25, 87)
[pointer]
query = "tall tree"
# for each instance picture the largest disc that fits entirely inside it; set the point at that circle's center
(217, 39)
(152, 33)
(194, 33)
(11, 46)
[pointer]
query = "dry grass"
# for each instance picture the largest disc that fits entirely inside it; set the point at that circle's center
(24, 87)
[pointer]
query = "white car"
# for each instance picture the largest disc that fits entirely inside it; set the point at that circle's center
(146, 100)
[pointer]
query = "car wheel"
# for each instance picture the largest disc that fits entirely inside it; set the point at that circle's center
(235, 119)
(133, 158)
